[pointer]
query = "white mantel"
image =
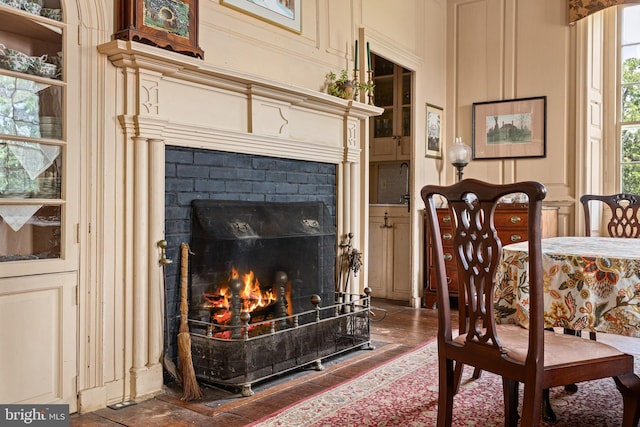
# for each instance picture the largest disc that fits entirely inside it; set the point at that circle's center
(170, 99)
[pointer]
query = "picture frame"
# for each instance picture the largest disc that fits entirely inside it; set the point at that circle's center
(171, 25)
(285, 14)
(434, 120)
(510, 128)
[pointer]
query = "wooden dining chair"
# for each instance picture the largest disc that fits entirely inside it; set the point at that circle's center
(536, 358)
(623, 209)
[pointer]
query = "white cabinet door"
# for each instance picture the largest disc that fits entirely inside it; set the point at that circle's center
(38, 335)
(401, 263)
(389, 252)
(378, 237)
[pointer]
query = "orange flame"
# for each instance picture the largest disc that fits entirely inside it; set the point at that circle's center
(252, 296)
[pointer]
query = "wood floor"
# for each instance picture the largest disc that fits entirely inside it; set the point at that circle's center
(402, 329)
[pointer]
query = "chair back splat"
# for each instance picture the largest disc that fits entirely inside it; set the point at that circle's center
(515, 353)
(623, 209)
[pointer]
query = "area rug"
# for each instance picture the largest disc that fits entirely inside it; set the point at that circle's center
(404, 392)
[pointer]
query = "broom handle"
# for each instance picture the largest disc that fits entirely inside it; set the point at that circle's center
(184, 279)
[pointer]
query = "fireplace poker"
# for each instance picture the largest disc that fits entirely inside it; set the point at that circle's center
(190, 387)
(167, 363)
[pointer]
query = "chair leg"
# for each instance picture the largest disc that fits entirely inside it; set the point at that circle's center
(510, 390)
(572, 388)
(446, 391)
(476, 373)
(547, 410)
(629, 386)
(457, 376)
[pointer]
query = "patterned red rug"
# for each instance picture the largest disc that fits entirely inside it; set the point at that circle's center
(404, 391)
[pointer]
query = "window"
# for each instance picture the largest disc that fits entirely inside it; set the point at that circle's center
(629, 84)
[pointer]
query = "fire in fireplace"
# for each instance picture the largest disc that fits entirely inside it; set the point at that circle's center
(259, 302)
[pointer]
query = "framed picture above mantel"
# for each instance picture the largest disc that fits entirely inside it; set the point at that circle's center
(510, 128)
(169, 24)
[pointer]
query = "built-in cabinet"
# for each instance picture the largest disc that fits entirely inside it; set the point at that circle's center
(32, 144)
(389, 258)
(391, 131)
(511, 225)
(38, 209)
(390, 145)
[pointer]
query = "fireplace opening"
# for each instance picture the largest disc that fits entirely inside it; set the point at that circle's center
(262, 291)
(258, 243)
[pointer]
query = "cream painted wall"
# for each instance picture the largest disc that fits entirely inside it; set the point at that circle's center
(462, 51)
(411, 32)
(505, 49)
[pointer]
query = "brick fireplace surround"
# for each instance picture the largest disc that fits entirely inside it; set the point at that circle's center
(205, 174)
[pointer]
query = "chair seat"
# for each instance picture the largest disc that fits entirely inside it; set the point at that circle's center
(559, 348)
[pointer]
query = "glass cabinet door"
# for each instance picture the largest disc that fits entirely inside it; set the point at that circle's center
(391, 131)
(32, 140)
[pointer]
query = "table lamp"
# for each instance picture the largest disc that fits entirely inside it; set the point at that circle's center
(459, 155)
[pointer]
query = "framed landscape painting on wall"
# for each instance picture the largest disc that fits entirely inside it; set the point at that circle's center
(435, 125)
(284, 13)
(512, 128)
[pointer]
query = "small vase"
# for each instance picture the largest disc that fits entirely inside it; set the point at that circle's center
(348, 88)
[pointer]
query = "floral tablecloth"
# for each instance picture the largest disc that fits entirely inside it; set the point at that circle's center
(590, 283)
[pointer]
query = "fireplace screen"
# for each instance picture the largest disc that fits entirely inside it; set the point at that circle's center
(262, 293)
(258, 242)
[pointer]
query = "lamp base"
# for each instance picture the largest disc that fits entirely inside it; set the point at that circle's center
(459, 166)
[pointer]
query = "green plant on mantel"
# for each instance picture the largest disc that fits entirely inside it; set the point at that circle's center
(343, 87)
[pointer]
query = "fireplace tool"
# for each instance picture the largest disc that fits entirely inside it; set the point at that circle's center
(190, 387)
(350, 260)
(167, 363)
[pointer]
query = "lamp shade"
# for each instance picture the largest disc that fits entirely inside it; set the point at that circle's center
(459, 154)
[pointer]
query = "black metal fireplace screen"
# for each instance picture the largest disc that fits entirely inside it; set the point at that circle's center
(263, 295)
(282, 344)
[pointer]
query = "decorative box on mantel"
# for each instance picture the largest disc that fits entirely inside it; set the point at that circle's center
(167, 24)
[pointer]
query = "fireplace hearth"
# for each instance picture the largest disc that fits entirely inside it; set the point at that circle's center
(263, 296)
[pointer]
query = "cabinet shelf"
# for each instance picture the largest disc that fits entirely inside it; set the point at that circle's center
(34, 26)
(48, 141)
(25, 76)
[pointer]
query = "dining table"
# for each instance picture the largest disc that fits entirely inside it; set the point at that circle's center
(590, 284)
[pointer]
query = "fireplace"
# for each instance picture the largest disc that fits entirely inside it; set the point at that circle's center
(262, 291)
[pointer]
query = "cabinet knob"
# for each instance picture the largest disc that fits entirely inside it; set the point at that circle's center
(515, 219)
(447, 236)
(448, 257)
(516, 237)
(446, 219)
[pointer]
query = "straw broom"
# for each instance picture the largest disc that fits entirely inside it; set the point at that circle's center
(190, 388)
